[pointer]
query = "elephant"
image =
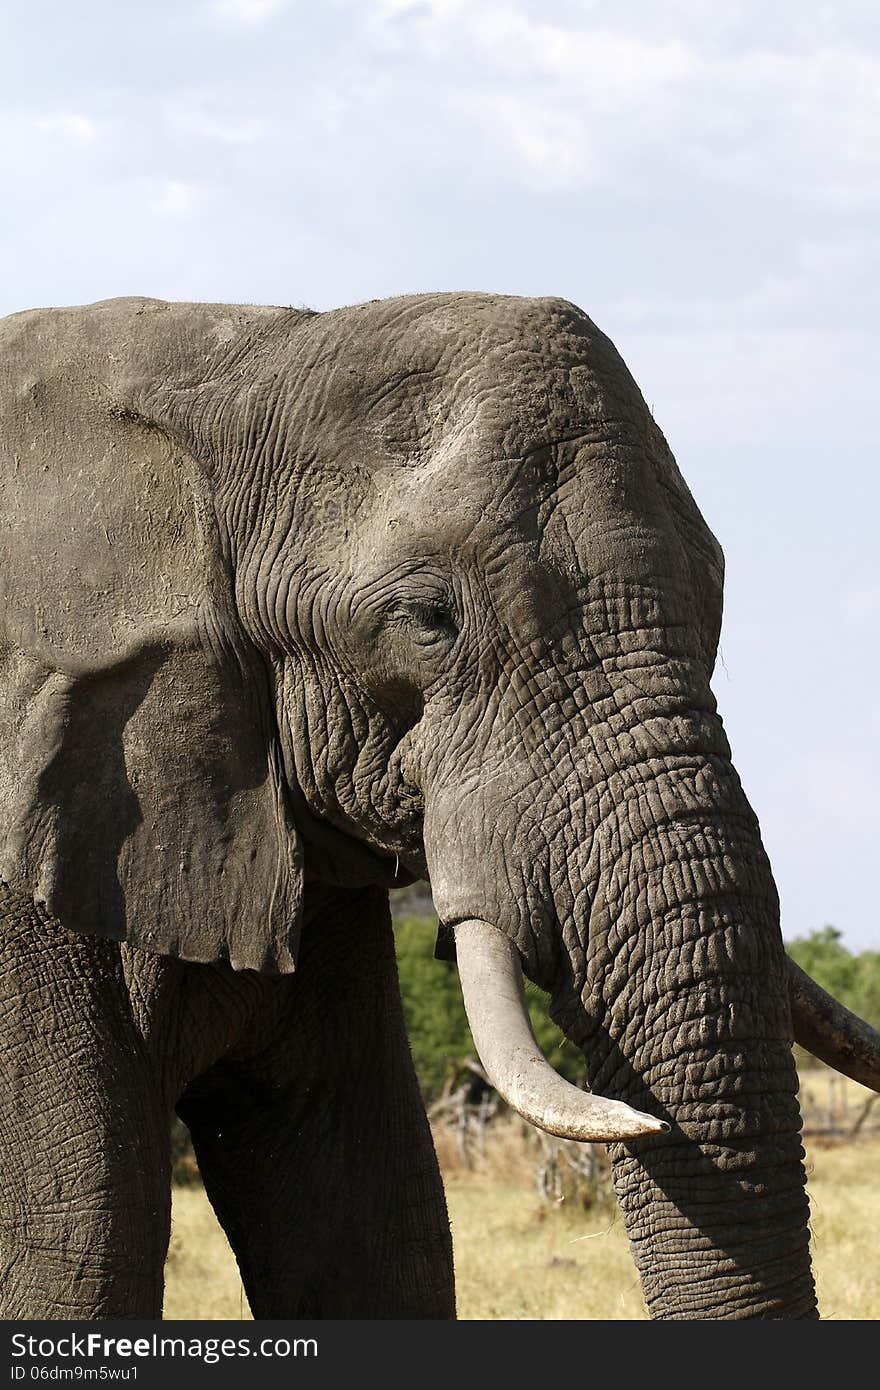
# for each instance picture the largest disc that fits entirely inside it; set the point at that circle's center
(299, 608)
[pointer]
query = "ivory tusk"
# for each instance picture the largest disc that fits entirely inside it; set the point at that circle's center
(494, 1000)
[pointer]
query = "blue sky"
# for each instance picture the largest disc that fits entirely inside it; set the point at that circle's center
(702, 176)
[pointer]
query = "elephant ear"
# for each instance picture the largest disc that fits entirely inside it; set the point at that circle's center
(141, 795)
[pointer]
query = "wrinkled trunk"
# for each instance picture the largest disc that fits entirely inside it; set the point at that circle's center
(716, 1210)
(684, 1011)
(674, 983)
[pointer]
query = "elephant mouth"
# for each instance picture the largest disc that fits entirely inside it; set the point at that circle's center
(492, 987)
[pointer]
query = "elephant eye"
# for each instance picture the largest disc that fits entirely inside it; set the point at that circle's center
(426, 619)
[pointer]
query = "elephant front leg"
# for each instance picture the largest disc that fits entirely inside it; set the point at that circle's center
(315, 1149)
(84, 1164)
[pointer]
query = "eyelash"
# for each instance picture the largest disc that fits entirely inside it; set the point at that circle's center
(429, 615)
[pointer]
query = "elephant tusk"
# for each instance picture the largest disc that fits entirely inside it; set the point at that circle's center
(830, 1032)
(494, 1000)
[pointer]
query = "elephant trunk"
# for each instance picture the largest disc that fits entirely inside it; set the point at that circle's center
(715, 1210)
(683, 1009)
(674, 983)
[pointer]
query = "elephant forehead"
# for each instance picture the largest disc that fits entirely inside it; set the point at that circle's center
(563, 493)
(501, 373)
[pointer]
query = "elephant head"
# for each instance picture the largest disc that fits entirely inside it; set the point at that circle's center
(415, 589)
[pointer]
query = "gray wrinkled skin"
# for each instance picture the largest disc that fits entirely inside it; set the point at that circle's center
(297, 606)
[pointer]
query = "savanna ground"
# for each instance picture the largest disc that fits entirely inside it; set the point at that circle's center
(520, 1256)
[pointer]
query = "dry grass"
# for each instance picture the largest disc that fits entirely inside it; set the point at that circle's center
(845, 1213)
(201, 1276)
(518, 1257)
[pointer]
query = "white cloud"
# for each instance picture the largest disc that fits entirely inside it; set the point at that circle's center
(425, 12)
(193, 117)
(711, 387)
(609, 69)
(122, 226)
(795, 113)
(247, 13)
(548, 150)
(801, 122)
(70, 124)
(861, 607)
(173, 198)
(831, 284)
(44, 154)
(161, 236)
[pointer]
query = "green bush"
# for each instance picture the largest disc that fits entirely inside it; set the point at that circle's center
(438, 1031)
